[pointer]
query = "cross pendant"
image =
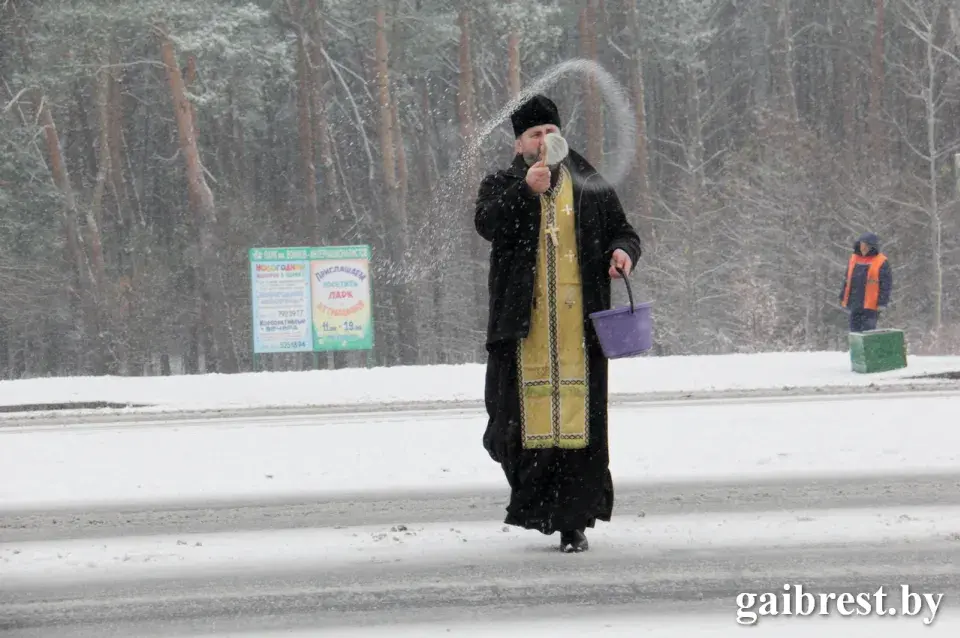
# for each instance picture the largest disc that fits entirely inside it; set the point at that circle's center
(568, 209)
(552, 231)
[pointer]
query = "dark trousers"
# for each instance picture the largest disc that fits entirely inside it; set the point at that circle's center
(863, 320)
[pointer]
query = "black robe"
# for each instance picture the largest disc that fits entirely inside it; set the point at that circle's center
(551, 489)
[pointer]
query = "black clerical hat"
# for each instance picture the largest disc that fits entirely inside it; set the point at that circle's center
(536, 111)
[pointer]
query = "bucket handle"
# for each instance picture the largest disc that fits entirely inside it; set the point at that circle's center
(623, 275)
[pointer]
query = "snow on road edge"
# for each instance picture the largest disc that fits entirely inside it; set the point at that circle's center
(457, 384)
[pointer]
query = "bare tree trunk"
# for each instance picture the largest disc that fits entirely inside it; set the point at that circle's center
(116, 339)
(642, 180)
(104, 157)
(696, 176)
(116, 181)
(851, 132)
(332, 224)
(201, 199)
(426, 180)
(130, 224)
(87, 274)
(308, 170)
(61, 178)
(936, 221)
(467, 110)
(593, 110)
(513, 64)
(83, 120)
(397, 244)
(876, 86)
(403, 175)
(781, 43)
(786, 68)
(387, 131)
(426, 172)
(306, 103)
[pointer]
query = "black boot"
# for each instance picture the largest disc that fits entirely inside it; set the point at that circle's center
(573, 541)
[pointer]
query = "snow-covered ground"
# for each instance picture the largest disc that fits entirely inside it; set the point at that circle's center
(627, 625)
(318, 456)
(447, 543)
(454, 383)
(372, 451)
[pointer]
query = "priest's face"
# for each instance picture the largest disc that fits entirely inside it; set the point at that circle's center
(530, 143)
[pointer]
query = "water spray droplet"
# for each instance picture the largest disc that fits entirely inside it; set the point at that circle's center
(621, 158)
(443, 242)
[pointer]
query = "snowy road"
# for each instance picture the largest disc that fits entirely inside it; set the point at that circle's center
(633, 500)
(317, 524)
(525, 582)
(322, 457)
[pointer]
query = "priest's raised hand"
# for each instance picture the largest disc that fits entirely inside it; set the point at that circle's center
(538, 177)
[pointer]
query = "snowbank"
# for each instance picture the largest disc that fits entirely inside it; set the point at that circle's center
(316, 457)
(412, 384)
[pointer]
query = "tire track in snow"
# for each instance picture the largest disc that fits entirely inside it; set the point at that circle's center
(386, 508)
(696, 581)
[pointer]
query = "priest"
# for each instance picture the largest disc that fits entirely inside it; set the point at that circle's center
(558, 235)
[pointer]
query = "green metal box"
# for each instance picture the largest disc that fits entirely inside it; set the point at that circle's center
(878, 351)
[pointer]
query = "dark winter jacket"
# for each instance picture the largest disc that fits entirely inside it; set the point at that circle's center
(858, 280)
(508, 216)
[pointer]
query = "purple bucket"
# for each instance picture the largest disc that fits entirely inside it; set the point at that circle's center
(627, 331)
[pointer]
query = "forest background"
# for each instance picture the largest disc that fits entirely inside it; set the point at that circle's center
(146, 146)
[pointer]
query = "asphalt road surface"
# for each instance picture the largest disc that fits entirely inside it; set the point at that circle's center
(519, 584)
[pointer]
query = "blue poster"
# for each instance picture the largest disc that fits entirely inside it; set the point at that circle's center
(281, 302)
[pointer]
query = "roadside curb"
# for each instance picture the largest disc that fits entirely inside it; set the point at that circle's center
(10, 420)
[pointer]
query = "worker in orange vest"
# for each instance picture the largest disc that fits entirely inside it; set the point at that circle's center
(868, 285)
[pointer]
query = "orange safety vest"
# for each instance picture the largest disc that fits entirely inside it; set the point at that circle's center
(872, 293)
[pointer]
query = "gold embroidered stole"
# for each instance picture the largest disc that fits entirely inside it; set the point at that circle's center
(553, 368)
